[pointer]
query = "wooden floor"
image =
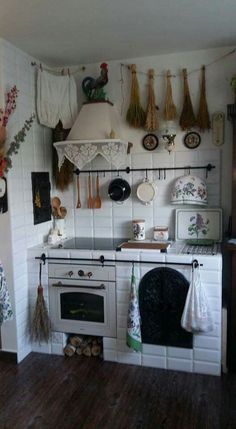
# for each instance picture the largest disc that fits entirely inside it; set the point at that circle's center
(52, 392)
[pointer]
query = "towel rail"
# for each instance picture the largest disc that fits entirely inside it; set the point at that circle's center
(102, 260)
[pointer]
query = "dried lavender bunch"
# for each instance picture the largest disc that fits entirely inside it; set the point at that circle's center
(18, 139)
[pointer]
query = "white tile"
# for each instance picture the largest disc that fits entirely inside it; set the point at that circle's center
(207, 355)
(180, 364)
(151, 349)
(153, 361)
(129, 358)
(180, 352)
(57, 349)
(206, 368)
(204, 342)
(109, 343)
(110, 355)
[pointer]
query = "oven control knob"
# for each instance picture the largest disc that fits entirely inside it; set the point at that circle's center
(70, 273)
(81, 273)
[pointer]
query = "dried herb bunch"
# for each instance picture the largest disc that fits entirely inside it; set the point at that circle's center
(152, 120)
(170, 111)
(18, 139)
(203, 118)
(135, 114)
(187, 117)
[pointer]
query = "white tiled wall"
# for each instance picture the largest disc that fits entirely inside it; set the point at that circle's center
(34, 155)
(115, 219)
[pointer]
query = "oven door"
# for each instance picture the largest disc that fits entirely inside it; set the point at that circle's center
(83, 307)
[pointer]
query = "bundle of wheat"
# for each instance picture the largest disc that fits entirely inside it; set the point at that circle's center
(152, 120)
(187, 117)
(170, 111)
(135, 114)
(203, 118)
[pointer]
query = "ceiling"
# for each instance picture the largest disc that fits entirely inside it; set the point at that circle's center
(69, 32)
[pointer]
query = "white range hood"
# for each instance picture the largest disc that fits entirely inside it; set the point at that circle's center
(96, 131)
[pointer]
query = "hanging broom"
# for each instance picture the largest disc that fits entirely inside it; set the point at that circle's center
(152, 121)
(187, 117)
(203, 118)
(41, 326)
(170, 111)
(135, 114)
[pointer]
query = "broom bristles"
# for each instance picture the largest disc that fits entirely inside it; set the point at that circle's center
(187, 117)
(41, 325)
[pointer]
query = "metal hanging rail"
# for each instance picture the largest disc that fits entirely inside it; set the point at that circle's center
(102, 260)
(128, 170)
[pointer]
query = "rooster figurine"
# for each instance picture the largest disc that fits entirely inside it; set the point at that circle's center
(93, 88)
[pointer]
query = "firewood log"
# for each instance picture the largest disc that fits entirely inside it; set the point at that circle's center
(69, 350)
(87, 351)
(78, 351)
(96, 350)
(76, 340)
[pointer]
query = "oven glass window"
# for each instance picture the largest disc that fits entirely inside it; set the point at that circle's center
(82, 306)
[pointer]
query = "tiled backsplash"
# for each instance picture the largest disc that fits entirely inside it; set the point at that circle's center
(114, 219)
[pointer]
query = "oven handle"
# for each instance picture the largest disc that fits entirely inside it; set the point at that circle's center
(59, 284)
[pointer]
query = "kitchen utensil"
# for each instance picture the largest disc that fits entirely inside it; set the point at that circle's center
(97, 200)
(56, 203)
(146, 192)
(40, 329)
(119, 190)
(90, 198)
(78, 205)
(63, 212)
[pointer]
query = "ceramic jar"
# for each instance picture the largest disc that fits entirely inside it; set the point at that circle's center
(161, 233)
(139, 229)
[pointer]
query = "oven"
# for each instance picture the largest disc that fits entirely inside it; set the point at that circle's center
(82, 298)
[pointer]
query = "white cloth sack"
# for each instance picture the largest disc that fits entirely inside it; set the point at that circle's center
(196, 316)
(56, 99)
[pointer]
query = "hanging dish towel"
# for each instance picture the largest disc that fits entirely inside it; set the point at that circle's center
(196, 316)
(133, 336)
(56, 99)
(5, 305)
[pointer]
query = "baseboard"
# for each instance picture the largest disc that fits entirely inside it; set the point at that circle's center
(9, 357)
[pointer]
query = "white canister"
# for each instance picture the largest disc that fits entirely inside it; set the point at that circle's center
(139, 229)
(161, 233)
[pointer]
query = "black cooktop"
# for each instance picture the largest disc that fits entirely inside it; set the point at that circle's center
(98, 243)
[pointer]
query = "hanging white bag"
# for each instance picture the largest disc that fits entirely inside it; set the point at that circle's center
(196, 316)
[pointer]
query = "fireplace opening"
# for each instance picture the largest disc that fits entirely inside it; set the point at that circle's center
(162, 296)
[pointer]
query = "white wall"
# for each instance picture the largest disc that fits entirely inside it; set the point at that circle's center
(17, 229)
(115, 220)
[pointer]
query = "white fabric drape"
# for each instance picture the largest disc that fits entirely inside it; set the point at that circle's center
(56, 99)
(5, 304)
(196, 316)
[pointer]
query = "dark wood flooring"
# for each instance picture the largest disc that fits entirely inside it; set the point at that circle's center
(52, 392)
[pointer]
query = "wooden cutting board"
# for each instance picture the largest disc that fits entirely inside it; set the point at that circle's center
(144, 245)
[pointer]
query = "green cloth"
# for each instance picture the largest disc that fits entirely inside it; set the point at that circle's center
(133, 335)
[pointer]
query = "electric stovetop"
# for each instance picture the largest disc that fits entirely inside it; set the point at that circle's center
(98, 243)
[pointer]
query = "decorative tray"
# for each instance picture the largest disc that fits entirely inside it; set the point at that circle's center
(198, 225)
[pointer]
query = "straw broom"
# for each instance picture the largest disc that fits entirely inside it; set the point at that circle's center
(135, 114)
(203, 118)
(187, 117)
(40, 330)
(152, 121)
(170, 111)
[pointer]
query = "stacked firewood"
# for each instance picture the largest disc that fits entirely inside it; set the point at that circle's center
(83, 345)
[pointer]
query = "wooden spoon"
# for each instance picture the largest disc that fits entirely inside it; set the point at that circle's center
(63, 212)
(97, 200)
(78, 205)
(56, 203)
(90, 198)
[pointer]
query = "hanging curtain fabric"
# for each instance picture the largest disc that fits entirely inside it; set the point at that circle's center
(56, 99)
(196, 316)
(133, 336)
(5, 304)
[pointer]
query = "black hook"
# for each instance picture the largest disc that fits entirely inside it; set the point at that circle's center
(195, 263)
(102, 259)
(127, 170)
(43, 258)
